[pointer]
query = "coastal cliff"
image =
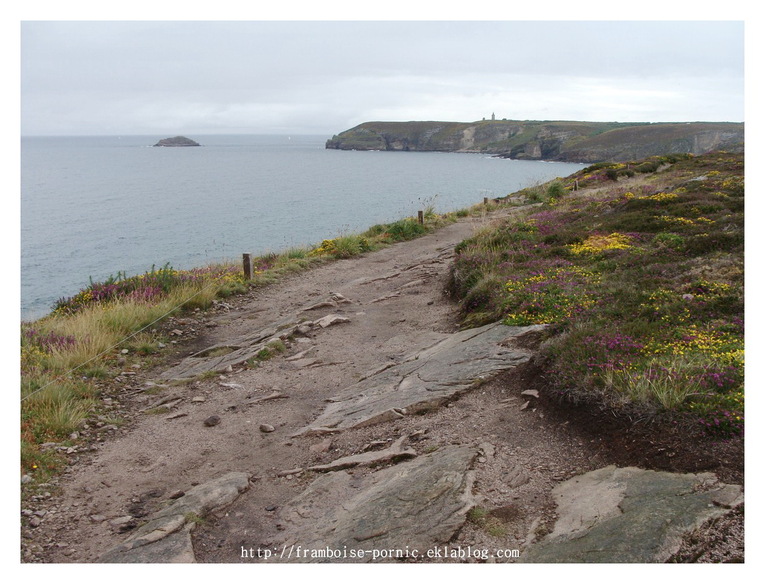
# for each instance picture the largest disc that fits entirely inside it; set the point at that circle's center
(564, 141)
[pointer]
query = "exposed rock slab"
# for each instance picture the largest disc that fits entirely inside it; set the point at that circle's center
(220, 356)
(166, 538)
(427, 379)
(330, 320)
(617, 515)
(413, 505)
(396, 450)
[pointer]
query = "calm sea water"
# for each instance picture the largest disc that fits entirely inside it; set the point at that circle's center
(95, 206)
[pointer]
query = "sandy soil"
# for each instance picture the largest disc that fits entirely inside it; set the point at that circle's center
(397, 304)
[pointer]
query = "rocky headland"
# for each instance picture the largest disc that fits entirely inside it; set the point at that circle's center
(566, 141)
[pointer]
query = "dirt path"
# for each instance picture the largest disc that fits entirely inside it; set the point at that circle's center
(395, 307)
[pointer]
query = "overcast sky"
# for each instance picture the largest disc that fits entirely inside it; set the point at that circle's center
(218, 77)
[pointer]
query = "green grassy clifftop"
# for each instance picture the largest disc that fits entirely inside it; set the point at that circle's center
(545, 140)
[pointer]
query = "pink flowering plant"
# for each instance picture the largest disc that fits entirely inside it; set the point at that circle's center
(147, 287)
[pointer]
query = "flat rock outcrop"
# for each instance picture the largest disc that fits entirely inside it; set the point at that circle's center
(395, 452)
(427, 379)
(413, 505)
(618, 515)
(166, 537)
(221, 356)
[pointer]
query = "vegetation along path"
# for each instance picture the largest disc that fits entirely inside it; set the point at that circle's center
(348, 414)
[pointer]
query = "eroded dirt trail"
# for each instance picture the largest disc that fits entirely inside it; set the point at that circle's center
(385, 307)
(396, 304)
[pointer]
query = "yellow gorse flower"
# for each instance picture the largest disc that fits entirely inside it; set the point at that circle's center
(659, 197)
(677, 220)
(599, 243)
(327, 247)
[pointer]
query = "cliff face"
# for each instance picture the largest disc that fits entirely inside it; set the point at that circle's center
(563, 141)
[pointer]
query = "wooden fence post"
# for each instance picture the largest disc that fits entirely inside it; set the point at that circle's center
(420, 217)
(486, 201)
(247, 265)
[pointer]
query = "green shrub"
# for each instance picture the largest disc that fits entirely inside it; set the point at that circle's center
(647, 167)
(405, 229)
(669, 240)
(375, 230)
(595, 167)
(555, 190)
(350, 245)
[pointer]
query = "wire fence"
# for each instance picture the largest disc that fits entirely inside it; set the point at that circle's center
(117, 344)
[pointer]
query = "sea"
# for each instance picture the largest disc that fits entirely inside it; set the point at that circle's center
(93, 207)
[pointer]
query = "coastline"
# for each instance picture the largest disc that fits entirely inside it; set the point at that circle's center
(256, 201)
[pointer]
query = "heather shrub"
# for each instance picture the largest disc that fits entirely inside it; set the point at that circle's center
(618, 274)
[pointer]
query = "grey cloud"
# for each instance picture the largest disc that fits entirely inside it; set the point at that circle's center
(264, 77)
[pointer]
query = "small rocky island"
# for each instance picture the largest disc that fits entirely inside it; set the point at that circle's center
(176, 141)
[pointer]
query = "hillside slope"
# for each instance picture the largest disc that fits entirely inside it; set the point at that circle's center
(640, 269)
(545, 140)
